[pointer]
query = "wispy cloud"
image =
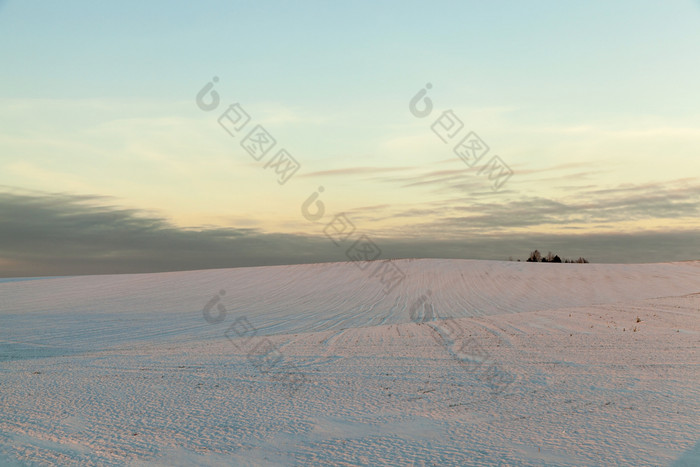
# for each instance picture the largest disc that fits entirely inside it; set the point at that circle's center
(678, 201)
(349, 171)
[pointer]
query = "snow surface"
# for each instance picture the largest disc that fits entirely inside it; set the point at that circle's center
(461, 363)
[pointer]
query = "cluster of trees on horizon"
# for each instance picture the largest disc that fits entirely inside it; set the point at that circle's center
(536, 257)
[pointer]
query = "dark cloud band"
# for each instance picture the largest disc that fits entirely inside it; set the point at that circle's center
(61, 234)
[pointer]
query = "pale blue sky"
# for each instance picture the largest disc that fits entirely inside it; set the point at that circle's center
(546, 53)
(587, 102)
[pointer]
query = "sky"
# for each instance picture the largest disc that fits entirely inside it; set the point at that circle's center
(128, 132)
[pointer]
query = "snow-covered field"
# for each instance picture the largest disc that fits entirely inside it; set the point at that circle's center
(461, 363)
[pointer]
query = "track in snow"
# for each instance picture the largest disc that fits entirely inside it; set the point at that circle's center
(102, 369)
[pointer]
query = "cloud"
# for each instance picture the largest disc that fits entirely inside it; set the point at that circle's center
(644, 247)
(62, 234)
(591, 206)
(44, 234)
(354, 171)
